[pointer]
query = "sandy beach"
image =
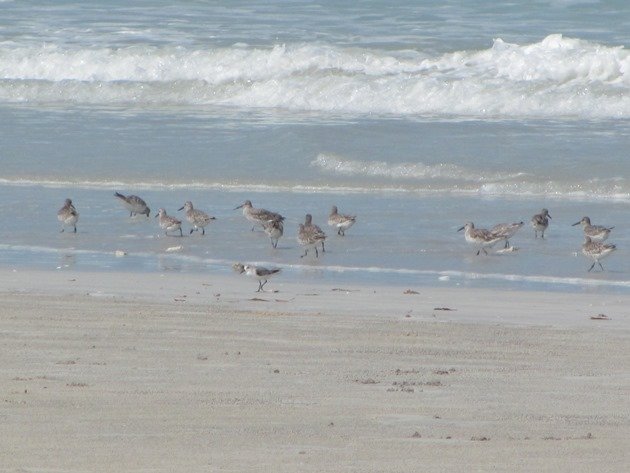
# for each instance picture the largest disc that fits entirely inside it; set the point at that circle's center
(171, 372)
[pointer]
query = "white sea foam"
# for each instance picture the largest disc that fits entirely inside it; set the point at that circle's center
(557, 76)
(399, 179)
(413, 171)
(456, 179)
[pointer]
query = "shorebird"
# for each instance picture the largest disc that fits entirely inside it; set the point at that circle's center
(256, 272)
(197, 218)
(308, 224)
(594, 232)
(274, 230)
(310, 238)
(168, 223)
(479, 237)
(134, 204)
(339, 221)
(596, 250)
(68, 216)
(258, 216)
(540, 222)
(506, 231)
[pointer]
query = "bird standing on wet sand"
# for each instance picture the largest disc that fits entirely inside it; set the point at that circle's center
(274, 230)
(134, 204)
(197, 218)
(594, 232)
(480, 237)
(68, 216)
(540, 222)
(340, 222)
(506, 231)
(308, 237)
(256, 272)
(258, 216)
(168, 223)
(596, 250)
(309, 225)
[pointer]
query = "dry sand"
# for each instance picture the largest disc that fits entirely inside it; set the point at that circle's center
(145, 372)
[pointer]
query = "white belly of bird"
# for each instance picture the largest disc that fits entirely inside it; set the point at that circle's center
(69, 219)
(345, 224)
(170, 225)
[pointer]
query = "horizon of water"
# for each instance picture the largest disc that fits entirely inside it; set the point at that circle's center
(417, 117)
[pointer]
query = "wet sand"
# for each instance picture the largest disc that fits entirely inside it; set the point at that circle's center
(150, 372)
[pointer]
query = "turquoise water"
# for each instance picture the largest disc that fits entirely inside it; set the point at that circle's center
(415, 117)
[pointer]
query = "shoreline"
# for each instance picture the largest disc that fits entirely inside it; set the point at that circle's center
(172, 372)
(238, 292)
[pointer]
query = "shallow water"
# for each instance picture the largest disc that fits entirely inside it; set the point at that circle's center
(417, 118)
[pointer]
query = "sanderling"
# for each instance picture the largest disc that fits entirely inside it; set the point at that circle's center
(308, 237)
(256, 272)
(308, 223)
(594, 232)
(258, 216)
(274, 230)
(540, 222)
(506, 231)
(134, 204)
(197, 218)
(479, 237)
(339, 221)
(68, 215)
(168, 223)
(596, 250)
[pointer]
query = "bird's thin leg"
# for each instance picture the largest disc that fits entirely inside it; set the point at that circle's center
(203, 230)
(305, 253)
(323, 249)
(600, 265)
(592, 266)
(316, 253)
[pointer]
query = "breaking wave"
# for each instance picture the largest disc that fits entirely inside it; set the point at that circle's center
(556, 77)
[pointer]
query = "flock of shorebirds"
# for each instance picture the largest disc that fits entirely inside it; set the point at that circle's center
(593, 246)
(309, 236)
(312, 237)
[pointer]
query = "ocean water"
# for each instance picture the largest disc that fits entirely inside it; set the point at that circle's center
(417, 117)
